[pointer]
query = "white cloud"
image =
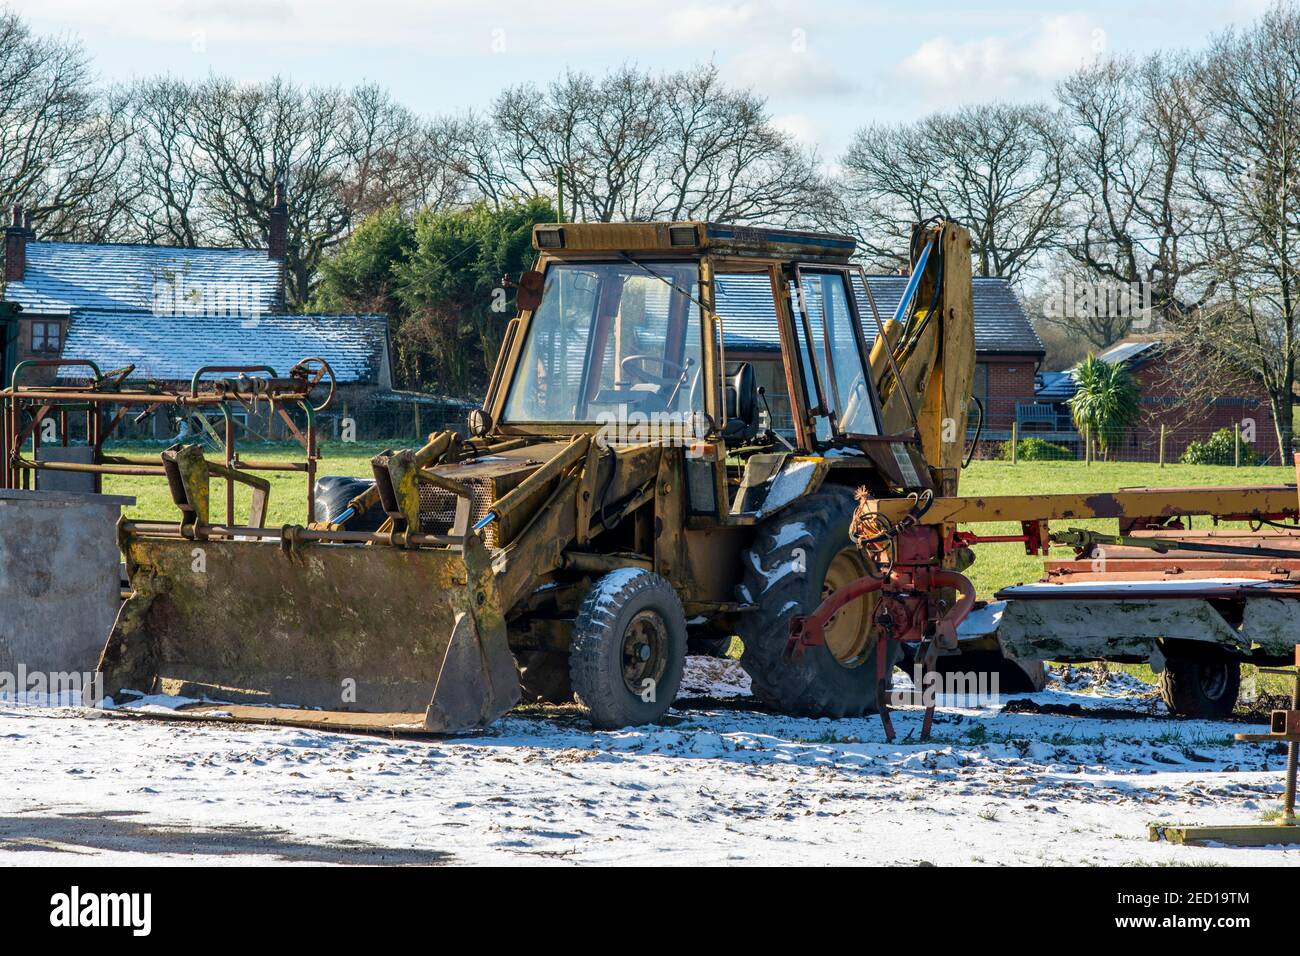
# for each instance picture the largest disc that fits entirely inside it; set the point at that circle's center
(788, 72)
(1007, 64)
(704, 21)
(800, 127)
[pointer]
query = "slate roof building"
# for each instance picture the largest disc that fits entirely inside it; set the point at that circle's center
(1163, 400)
(170, 310)
(1007, 350)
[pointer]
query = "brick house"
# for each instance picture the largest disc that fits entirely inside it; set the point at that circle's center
(170, 310)
(1164, 401)
(1007, 350)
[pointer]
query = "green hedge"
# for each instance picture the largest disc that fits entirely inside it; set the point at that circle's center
(1217, 450)
(1036, 449)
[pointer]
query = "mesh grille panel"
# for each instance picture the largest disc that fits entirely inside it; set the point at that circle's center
(438, 508)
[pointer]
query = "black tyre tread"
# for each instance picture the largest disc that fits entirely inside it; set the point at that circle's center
(597, 633)
(333, 492)
(1180, 689)
(817, 685)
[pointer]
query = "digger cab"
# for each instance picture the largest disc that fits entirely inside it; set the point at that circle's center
(692, 329)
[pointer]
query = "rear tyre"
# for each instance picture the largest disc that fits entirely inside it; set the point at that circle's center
(1200, 686)
(799, 557)
(628, 649)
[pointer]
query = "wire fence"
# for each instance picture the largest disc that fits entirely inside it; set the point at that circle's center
(396, 422)
(1239, 444)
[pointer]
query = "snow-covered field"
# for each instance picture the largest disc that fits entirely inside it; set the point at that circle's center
(719, 784)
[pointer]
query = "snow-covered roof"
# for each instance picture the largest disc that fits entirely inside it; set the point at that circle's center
(1056, 386)
(172, 348)
(749, 320)
(60, 277)
(1060, 386)
(1130, 352)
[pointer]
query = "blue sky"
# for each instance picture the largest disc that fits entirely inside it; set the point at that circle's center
(826, 66)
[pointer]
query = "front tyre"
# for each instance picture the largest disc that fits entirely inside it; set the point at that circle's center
(628, 649)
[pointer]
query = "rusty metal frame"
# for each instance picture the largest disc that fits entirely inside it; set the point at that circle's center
(107, 400)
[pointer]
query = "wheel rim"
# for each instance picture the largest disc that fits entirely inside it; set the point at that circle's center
(645, 651)
(848, 632)
(1214, 680)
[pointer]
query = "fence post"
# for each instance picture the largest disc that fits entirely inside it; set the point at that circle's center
(1087, 445)
(1015, 442)
(1162, 444)
(1236, 444)
(417, 419)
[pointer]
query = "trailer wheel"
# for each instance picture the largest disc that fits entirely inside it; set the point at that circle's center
(628, 649)
(1200, 686)
(800, 556)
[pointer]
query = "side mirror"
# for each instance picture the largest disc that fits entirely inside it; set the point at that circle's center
(529, 293)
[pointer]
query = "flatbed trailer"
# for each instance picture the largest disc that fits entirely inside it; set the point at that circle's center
(1194, 604)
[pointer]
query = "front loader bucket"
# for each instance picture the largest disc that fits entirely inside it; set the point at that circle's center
(341, 635)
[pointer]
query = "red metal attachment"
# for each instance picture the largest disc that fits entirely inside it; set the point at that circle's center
(912, 607)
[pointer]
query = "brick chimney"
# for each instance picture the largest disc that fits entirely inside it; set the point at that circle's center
(27, 226)
(16, 247)
(278, 233)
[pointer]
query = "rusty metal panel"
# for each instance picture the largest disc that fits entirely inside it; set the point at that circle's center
(338, 627)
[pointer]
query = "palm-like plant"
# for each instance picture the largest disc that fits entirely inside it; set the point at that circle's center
(1105, 402)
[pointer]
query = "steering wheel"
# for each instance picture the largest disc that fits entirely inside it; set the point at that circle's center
(670, 372)
(312, 371)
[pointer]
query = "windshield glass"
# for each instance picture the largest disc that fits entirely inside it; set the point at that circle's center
(834, 349)
(611, 338)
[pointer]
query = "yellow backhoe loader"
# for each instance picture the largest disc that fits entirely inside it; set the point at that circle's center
(669, 450)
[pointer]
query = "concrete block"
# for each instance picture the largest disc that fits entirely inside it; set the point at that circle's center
(60, 579)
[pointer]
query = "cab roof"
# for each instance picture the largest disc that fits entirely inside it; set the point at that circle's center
(761, 242)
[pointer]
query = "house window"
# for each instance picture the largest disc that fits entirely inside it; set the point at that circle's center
(46, 337)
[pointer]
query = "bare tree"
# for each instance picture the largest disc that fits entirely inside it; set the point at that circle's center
(634, 146)
(723, 160)
(1247, 171)
(61, 139)
(208, 156)
(166, 167)
(999, 170)
(600, 137)
(1133, 224)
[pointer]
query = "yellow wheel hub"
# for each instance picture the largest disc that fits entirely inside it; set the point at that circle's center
(848, 632)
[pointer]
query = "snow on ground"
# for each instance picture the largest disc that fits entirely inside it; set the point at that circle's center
(718, 784)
